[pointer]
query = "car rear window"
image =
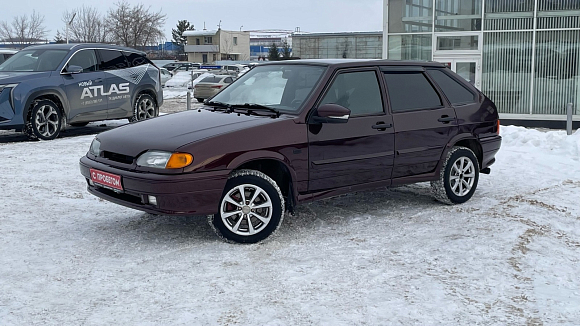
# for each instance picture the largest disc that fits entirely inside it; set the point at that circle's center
(410, 91)
(455, 92)
(211, 79)
(135, 59)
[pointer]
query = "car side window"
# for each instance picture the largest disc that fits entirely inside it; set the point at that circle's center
(86, 59)
(410, 91)
(455, 92)
(357, 91)
(135, 59)
(112, 59)
(229, 80)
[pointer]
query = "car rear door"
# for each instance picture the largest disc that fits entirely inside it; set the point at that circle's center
(120, 83)
(424, 123)
(84, 90)
(361, 150)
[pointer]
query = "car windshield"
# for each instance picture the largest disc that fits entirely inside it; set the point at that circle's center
(283, 87)
(34, 60)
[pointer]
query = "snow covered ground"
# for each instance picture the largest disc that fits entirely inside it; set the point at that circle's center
(509, 256)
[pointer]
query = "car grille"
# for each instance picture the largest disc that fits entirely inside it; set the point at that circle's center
(118, 157)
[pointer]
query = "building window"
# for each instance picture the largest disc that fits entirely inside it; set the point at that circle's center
(407, 16)
(214, 57)
(410, 47)
(208, 40)
(235, 40)
(196, 41)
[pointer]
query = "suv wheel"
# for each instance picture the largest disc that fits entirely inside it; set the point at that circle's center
(145, 108)
(458, 178)
(45, 120)
(251, 208)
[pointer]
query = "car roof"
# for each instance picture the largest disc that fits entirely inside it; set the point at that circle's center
(9, 51)
(77, 46)
(357, 62)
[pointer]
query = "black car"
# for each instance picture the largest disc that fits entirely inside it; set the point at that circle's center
(42, 88)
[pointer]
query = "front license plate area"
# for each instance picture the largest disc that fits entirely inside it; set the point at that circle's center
(107, 180)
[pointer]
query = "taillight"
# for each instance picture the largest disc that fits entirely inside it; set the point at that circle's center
(497, 127)
(217, 86)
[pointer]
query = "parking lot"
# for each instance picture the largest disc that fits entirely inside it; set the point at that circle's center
(394, 256)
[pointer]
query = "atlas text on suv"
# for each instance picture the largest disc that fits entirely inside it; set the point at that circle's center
(291, 132)
(45, 87)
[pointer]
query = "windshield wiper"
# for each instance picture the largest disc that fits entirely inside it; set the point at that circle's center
(221, 105)
(252, 107)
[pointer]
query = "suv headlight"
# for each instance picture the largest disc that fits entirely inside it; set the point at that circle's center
(164, 160)
(95, 148)
(7, 86)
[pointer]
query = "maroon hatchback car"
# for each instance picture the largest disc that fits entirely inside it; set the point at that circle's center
(291, 132)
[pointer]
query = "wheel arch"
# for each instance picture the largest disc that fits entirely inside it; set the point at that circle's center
(52, 95)
(473, 144)
(273, 165)
(144, 90)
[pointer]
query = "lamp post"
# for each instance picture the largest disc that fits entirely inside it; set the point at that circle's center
(68, 24)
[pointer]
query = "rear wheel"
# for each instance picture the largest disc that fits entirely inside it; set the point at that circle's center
(251, 208)
(45, 120)
(458, 177)
(145, 108)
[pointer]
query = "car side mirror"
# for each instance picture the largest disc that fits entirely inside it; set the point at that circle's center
(72, 69)
(331, 113)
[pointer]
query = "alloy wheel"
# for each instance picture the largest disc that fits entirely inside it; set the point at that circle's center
(46, 121)
(246, 209)
(462, 176)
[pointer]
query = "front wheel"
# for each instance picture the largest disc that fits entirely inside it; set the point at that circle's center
(145, 108)
(251, 208)
(45, 120)
(458, 177)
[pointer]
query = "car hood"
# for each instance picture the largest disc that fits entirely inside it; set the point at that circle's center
(9, 77)
(172, 131)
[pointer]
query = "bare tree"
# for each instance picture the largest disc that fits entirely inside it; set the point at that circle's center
(24, 29)
(88, 26)
(135, 26)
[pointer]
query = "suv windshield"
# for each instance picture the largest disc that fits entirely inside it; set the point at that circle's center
(283, 87)
(34, 60)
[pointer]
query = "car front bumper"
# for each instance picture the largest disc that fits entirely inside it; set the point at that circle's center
(181, 194)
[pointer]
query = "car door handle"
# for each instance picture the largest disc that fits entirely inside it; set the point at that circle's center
(99, 80)
(381, 126)
(446, 119)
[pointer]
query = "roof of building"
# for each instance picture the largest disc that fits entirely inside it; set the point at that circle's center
(200, 33)
(302, 34)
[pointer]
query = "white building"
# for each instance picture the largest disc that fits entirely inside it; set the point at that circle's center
(207, 46)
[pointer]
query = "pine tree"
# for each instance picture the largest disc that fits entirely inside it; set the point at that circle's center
(177, 33)
(273, 53)
(58, 38)
(286, 51)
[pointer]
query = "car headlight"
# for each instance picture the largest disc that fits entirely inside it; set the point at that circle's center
(164, 160)
(7, 86)
(95, 147)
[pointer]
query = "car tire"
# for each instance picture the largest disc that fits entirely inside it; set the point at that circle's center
(254, 217)
(145, 108)
(79, 124)
(200, 100)
(45, 120)
(458, 177)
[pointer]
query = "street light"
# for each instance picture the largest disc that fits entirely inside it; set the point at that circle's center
(68, 24)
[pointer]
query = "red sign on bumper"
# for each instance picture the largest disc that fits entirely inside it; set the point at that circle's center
(106, 179)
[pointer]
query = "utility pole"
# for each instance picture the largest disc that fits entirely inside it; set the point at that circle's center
(68, 24)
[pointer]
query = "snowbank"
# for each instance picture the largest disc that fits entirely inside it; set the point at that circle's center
(555, 141)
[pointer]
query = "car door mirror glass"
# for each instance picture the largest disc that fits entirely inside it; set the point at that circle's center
(331, 113)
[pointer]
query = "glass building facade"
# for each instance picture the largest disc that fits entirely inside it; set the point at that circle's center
(523, 54)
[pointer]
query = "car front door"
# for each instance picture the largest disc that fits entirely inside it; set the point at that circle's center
(120, 83)
(359, 151)
(424, 124)
(84, 90)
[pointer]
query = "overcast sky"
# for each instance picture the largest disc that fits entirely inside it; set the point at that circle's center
(309, 15)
